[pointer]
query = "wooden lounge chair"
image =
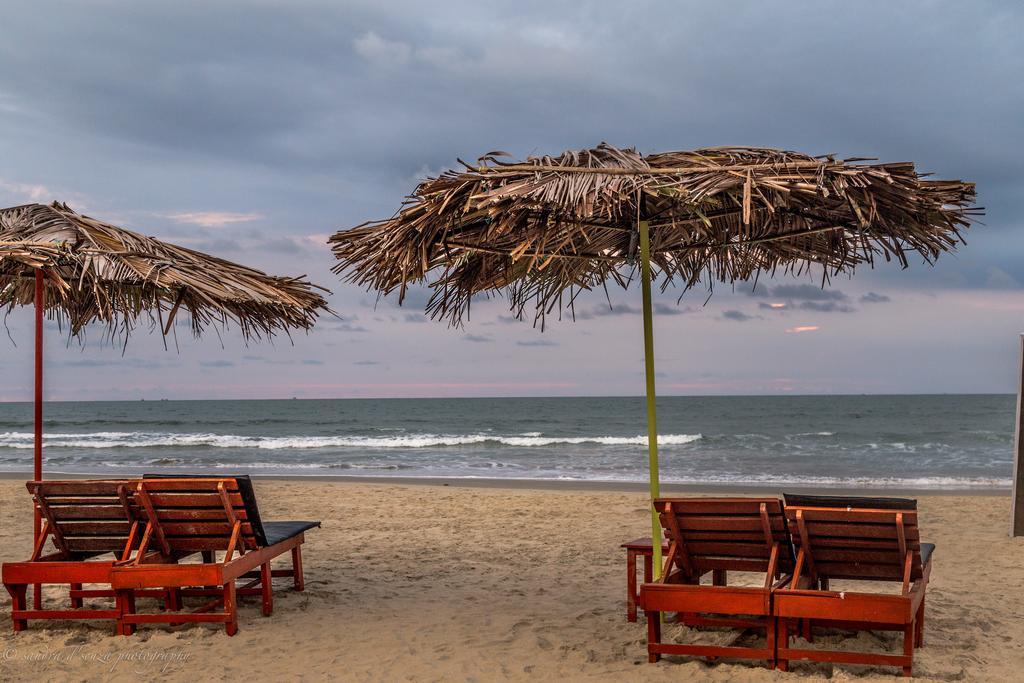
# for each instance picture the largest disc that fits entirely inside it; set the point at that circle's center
(92, 526)
(716, 536)
(865, 539)
(210, 516)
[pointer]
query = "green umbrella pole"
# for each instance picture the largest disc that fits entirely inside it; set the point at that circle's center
(652, 413)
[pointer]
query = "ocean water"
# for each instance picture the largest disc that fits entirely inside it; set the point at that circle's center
(948, 441)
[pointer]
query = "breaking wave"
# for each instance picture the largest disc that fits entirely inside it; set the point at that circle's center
(23, 440)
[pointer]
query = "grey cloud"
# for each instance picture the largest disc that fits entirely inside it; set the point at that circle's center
(366, 362)
(660, 308)
(283, 246)
(349, 327)
(1000, 279)
(133, 363)
(614, 310)
(537, 342)
(801, 292)
(803, 297)
(312, 361)
(605, 310)
(216, 364)
(414, 303)
(477, 338)
(738, 316)
(874, 298)
(826, 307)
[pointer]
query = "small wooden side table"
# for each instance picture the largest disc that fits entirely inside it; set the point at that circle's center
(641, 547)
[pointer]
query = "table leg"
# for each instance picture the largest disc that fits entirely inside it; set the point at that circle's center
(631, 594)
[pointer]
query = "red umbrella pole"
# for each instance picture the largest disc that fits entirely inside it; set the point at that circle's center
(37, 471)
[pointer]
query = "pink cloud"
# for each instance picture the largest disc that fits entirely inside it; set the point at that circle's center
(803, 328)
(214, 219)
(32, 193)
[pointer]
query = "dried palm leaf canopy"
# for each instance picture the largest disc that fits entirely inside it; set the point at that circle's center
(542, 229)
(96, 271)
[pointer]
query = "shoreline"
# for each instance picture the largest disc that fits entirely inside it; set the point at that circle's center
(667, 488)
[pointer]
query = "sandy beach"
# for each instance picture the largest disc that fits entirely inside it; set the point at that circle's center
(443, 582)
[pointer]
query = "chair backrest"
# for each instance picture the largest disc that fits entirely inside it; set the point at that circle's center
(725, 533)
(87, 517)
(856, 538)
(195, 514)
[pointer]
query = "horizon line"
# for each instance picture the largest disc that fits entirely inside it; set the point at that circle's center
(476, 398)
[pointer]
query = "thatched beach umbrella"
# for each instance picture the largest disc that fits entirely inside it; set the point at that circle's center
(79, 270)
(543, 229)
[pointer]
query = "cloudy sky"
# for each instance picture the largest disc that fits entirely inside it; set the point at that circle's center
(253, 130)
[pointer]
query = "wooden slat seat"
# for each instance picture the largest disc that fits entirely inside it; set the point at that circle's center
(861, 539)
(716, 536)
(209, 515)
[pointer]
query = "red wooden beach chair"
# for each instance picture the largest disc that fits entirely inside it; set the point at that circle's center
(716, 536)
(92, 526)
(863, 539)
(219, 518)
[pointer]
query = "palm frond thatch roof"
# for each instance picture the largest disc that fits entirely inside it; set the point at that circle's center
(544, 228)
(96, 271)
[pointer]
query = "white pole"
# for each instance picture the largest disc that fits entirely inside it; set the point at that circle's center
(1017, 501)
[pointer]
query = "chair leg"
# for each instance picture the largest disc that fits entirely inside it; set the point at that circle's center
(268, 589)
(805, 627)
(718, 577)
(919, 621)
(121, 603)
(771, 628)
(18, 602)
(119, 606)
(173, 603)
(37, 596)
(125, 605)
(653, 635)
(76, 603)
(209, 557)
(230, 609)
(908, 647)
(630, 585)
(782, 643)
(300, 582)
(172, 600)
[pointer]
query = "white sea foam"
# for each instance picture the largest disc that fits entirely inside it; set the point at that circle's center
(936, 483)
(23, 440)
